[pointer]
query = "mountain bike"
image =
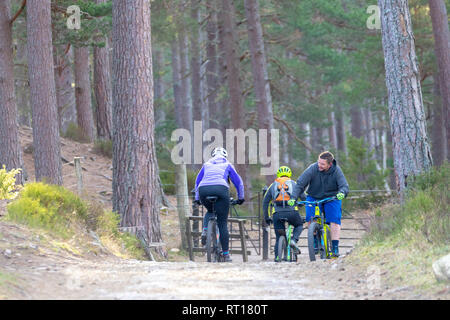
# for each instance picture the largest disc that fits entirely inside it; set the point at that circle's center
(319, 234)
(286, 252)
(213, 245)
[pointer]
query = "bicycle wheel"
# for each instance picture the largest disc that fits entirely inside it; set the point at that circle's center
(218, 252)
(293, 255)
(282, 249)
(328, 243)
(211, 241)
(313, 233)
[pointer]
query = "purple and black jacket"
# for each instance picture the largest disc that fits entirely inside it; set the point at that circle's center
(217, 171)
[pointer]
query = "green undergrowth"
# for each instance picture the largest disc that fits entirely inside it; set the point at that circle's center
(75, 133)
(73, 221)
(103, 147)
(404, 240)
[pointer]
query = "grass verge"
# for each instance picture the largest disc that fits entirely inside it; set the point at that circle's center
(71, 221)
(404, 240)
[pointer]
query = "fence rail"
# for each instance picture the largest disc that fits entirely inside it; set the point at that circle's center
(256, 232)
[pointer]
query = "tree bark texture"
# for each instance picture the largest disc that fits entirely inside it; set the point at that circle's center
(438, 142)
(185, 83)
(65, 93)
(176, 80)
(85, 117)
(411, 151)
(10, 148)
(103, 90)
(439, 20)
(196, 62)
(259, 69)
(211, 64)
(135, 188)
(47, 149)
(234, 81)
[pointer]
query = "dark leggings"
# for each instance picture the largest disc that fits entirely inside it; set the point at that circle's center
(293, 218)
(221, 206)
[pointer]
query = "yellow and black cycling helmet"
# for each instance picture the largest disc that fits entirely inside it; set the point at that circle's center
(284, 171)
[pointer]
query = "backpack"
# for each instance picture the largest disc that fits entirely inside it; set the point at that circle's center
(282, 190)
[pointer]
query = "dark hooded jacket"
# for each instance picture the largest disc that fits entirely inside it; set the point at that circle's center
(321, 184)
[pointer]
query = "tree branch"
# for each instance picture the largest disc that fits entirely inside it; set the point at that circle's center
(24, 3)
(292, 133)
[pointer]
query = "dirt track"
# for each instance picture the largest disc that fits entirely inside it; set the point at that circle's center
(42, 270)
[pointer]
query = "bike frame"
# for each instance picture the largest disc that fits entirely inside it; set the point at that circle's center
(218, 253)
(320, 219)
(290, 230)
(288, 236)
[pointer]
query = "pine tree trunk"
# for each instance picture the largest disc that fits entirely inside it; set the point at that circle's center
(340, 132)
(10, 150)
(135, 188)
(176, 80)
(196, 62)
(185, 83)
(159, 90)
(356, 122)
(316, 139)
(370, 132)
(408, 127)
(211, 65)
(85, 117)
(234, 82)
(332, 131)
(224, 111)
(103, 90)
(260, 76)
(306, 128)
(438, 144)
(65, 93)
(47, 149)
(160, 115)
(439, 20)
(22, 87)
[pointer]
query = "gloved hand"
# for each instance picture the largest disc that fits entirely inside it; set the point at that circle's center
(291, 202)
(269, 221)
(340, 196)
(240, 201)
(197, 202)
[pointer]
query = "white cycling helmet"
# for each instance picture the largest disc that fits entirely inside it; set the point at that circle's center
(219, 151)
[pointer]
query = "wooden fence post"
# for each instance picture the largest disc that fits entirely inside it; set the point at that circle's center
(266, 230)
(78, 172)
(182, 201)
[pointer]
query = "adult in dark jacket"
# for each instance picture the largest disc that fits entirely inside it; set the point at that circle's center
(324, 179)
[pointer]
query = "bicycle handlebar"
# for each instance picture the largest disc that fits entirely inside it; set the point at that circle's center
(317, 202)
(233, 202)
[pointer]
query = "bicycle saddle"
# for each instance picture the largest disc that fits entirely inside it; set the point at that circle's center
(212, 198)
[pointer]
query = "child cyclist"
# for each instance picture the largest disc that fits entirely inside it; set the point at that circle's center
(279, 193)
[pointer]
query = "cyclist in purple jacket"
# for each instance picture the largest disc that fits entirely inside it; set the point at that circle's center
(213, 180)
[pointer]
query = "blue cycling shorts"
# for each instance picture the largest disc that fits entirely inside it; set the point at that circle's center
(333, 210)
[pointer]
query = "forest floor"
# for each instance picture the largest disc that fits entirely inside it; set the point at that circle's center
(34, 265)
